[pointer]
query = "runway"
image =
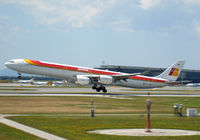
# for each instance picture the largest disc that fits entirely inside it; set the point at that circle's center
(119, 96)
(10, 89)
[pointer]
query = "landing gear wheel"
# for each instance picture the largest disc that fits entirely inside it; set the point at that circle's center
(98, 89)
(19, 77)
(105, 90)
(94, 87)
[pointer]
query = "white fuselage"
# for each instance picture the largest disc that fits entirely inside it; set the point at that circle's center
(69, 73)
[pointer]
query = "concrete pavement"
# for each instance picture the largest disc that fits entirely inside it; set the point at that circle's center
(141, 132)
(29, 130)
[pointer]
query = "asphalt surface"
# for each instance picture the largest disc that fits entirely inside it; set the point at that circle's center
(11, 89)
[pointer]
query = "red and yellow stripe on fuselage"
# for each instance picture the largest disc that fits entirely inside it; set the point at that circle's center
(90, 71)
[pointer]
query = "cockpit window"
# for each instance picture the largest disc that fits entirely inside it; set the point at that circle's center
(11, 61)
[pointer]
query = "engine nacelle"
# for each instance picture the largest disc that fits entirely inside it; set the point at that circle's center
(104, 79)
(82, 80)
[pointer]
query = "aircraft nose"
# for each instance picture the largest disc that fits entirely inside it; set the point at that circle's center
(9, 63)
(6, 64)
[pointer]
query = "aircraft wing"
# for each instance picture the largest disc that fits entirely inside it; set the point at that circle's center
(118, 77)
(123, 77)
(115, 77)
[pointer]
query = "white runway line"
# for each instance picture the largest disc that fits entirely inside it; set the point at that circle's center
(30, 130)
(95, 95)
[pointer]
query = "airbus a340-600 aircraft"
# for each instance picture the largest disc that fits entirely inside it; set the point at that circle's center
(99, 78)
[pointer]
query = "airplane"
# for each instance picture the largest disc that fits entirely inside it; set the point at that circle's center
(40, 83)
(98, 78)
(25, 81)
(193, 85)
(33, 82)
(59, 83)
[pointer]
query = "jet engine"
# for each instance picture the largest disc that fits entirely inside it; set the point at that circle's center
(82, 80)
(104, 79)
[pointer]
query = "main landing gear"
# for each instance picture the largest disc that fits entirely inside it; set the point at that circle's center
(98, 89)
(20, 76)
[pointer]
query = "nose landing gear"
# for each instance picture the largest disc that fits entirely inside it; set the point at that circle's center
(20, 76)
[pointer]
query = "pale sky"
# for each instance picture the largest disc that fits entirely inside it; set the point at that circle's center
(86, 32)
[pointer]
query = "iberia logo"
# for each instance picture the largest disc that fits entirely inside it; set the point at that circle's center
(174, 72)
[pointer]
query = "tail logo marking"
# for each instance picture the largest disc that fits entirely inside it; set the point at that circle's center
(174, 72)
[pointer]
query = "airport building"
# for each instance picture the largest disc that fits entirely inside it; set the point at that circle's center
(186, 75)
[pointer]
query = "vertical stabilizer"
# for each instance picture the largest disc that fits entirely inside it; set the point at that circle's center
(172, 73)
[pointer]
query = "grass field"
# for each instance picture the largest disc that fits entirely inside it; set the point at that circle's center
(63, 105)
(60, 115)
(75, 128)
(9, 133)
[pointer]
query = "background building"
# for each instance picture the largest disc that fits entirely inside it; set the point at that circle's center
(187, 75)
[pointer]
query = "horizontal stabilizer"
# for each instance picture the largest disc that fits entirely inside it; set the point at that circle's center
(178, 82)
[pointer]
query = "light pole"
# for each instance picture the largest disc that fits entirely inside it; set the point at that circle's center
(92, 108)
(148, 123)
